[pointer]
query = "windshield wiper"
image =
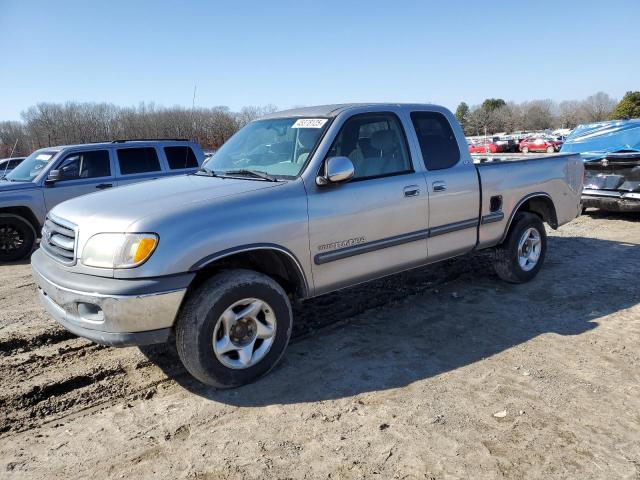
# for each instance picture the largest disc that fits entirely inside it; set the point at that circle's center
(253, 173)
(207, 171)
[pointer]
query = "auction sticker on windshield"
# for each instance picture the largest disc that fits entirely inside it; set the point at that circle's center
(44, 156)
(309, 123)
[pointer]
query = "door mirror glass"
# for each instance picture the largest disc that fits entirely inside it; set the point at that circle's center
(337, 169)
(54, 176)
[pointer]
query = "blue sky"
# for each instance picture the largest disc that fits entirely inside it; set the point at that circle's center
(303, 52)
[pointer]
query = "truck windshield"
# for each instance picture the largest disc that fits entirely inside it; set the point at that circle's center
(31, 166)
(278, 147)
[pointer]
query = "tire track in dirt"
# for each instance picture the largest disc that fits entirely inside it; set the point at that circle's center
(51, 383)
(24, 344)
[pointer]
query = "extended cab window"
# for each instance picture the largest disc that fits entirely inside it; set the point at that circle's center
(437, 141)
(375, 143)
(138, 160)
(180, 157)
(91, 164)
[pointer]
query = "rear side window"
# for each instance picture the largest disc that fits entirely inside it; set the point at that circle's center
(138, 160)
(180, 157)
(437, 142)
(91, 164)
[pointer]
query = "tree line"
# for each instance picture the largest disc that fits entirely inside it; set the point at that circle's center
(47, 124)
(497, 115)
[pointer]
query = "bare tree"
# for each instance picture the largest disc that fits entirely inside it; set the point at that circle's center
(598, 107)
(48, 124)
(538, 114)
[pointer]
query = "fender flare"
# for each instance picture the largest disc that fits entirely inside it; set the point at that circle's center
(519, 204)
(209, 259)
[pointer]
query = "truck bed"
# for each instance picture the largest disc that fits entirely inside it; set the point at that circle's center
(509, 179)
(483, 158)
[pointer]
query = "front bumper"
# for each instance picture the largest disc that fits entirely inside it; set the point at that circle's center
(109, 311)
(614, 201)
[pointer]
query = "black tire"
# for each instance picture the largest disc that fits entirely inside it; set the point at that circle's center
(17, 237)
(506, 261)
(525, 149)
(202, 309)
(551, 150)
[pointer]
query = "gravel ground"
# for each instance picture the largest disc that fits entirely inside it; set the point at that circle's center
(443, 372)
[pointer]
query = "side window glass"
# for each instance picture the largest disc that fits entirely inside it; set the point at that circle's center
(138, 160)
(79, 165)
(437, 141)
(375, 143)
(180, 157)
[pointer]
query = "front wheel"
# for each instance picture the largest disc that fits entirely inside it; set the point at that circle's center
(525, 149)
(234, 328)
(17, 237)
(519, 258)
(551, 149)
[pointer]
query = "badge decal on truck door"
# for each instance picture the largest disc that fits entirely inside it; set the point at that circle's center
(341, 244)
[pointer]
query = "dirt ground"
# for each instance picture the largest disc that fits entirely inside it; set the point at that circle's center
(443, 372)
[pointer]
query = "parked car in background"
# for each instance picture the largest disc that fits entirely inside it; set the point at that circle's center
(52, 175)
(611, 154)
(487, 147)
(8, 164)
(540, 144)
(508, 143)
(295, 205)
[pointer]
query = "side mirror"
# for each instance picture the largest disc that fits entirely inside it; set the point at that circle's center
(337, 169)
(54, 176)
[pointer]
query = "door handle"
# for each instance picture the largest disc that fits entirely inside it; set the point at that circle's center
(411, 191)
(439, 186)
(102, 186)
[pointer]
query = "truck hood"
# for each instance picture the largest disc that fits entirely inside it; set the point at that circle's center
(7, 186)
(116, 209)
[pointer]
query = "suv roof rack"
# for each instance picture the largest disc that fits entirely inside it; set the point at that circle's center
(124, 140)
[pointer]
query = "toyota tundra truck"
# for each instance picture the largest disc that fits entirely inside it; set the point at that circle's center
(295, 205)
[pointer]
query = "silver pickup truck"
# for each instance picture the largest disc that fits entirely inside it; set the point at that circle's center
(54, 174)
(295, 205)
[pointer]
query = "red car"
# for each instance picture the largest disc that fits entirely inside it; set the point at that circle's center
(540, 144)
(487, 147)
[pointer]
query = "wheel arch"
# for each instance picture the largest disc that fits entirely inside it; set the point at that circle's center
(270, 259)
(27, 214)
(538, 203)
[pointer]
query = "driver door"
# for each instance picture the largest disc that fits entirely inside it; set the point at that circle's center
(376, 223)
(81, 172)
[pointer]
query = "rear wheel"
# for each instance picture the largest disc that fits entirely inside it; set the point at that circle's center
(525, 149)
(519, 258)
(234, 328)
(550, 149)
(17, 237)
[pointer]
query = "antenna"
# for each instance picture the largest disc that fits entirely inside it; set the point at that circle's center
(14, 148)
(6, 165)
(193, 125)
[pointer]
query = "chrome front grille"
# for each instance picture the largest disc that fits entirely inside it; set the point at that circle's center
(59, 240)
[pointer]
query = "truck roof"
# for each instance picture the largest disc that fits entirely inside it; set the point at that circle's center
(335, 109)
(119, 142)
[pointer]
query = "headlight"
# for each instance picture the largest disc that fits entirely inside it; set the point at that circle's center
(119, 250)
